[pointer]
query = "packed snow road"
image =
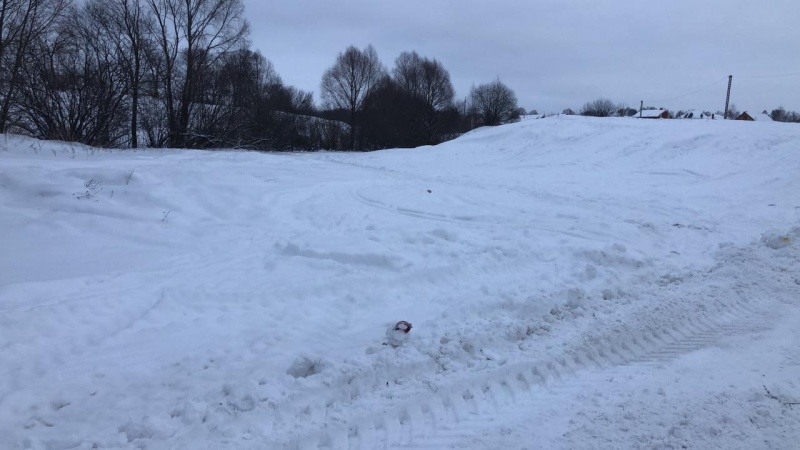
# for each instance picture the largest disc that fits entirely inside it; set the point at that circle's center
(572, 283)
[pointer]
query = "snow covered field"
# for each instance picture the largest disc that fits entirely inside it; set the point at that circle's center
(572, 283)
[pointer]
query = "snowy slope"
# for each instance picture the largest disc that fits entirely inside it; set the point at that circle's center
(189, 299)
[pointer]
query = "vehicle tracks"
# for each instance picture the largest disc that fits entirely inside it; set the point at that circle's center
(434, 419)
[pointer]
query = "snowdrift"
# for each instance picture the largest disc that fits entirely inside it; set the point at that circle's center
(191, 299)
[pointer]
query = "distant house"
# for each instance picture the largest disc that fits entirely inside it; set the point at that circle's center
(761, 117)
(654, 114)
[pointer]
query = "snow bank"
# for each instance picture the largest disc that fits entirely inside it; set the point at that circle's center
(231, 299)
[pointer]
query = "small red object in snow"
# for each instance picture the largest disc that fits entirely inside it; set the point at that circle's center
(403, 326)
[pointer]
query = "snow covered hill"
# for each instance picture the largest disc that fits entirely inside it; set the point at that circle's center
(572, 283)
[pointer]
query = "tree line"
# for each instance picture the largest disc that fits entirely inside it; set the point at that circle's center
(181, 74)
(781, 115)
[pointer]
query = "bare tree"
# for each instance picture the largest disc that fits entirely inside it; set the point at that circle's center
(407, 72)
(22, 22)
(494, 103)
(733, 112)
(199, 31)
(427, 82)
(437, 94)
(236, 103)
(163, 64)
(74, 89)
(601, 107)
(405, 91)
(350, 80)
(125, 24)
(778, 114)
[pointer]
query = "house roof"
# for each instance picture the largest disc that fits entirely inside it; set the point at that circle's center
(651, 113)
(759, 117)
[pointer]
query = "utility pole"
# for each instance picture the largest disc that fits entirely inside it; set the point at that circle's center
(641, 107)
(728, 98)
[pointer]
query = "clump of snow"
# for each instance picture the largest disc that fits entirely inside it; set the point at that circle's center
(575, 298)
(147, 428)
(776, 240)
(304, 367)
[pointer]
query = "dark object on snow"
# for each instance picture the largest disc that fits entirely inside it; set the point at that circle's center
(397, 335)
(429, 191)
(403, 326)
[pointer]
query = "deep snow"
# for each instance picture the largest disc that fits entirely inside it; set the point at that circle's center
(572, 283)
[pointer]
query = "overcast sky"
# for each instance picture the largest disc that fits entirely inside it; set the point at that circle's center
(556, 53)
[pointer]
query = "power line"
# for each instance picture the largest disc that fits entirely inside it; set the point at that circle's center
(713, 83)
(793, 74)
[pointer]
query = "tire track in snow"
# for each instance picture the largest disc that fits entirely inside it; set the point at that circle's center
(432, 420)
(528, 391)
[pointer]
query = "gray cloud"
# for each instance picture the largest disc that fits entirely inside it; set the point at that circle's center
(556, 54)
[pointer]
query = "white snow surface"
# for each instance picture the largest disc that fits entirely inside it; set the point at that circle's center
(572, 283)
